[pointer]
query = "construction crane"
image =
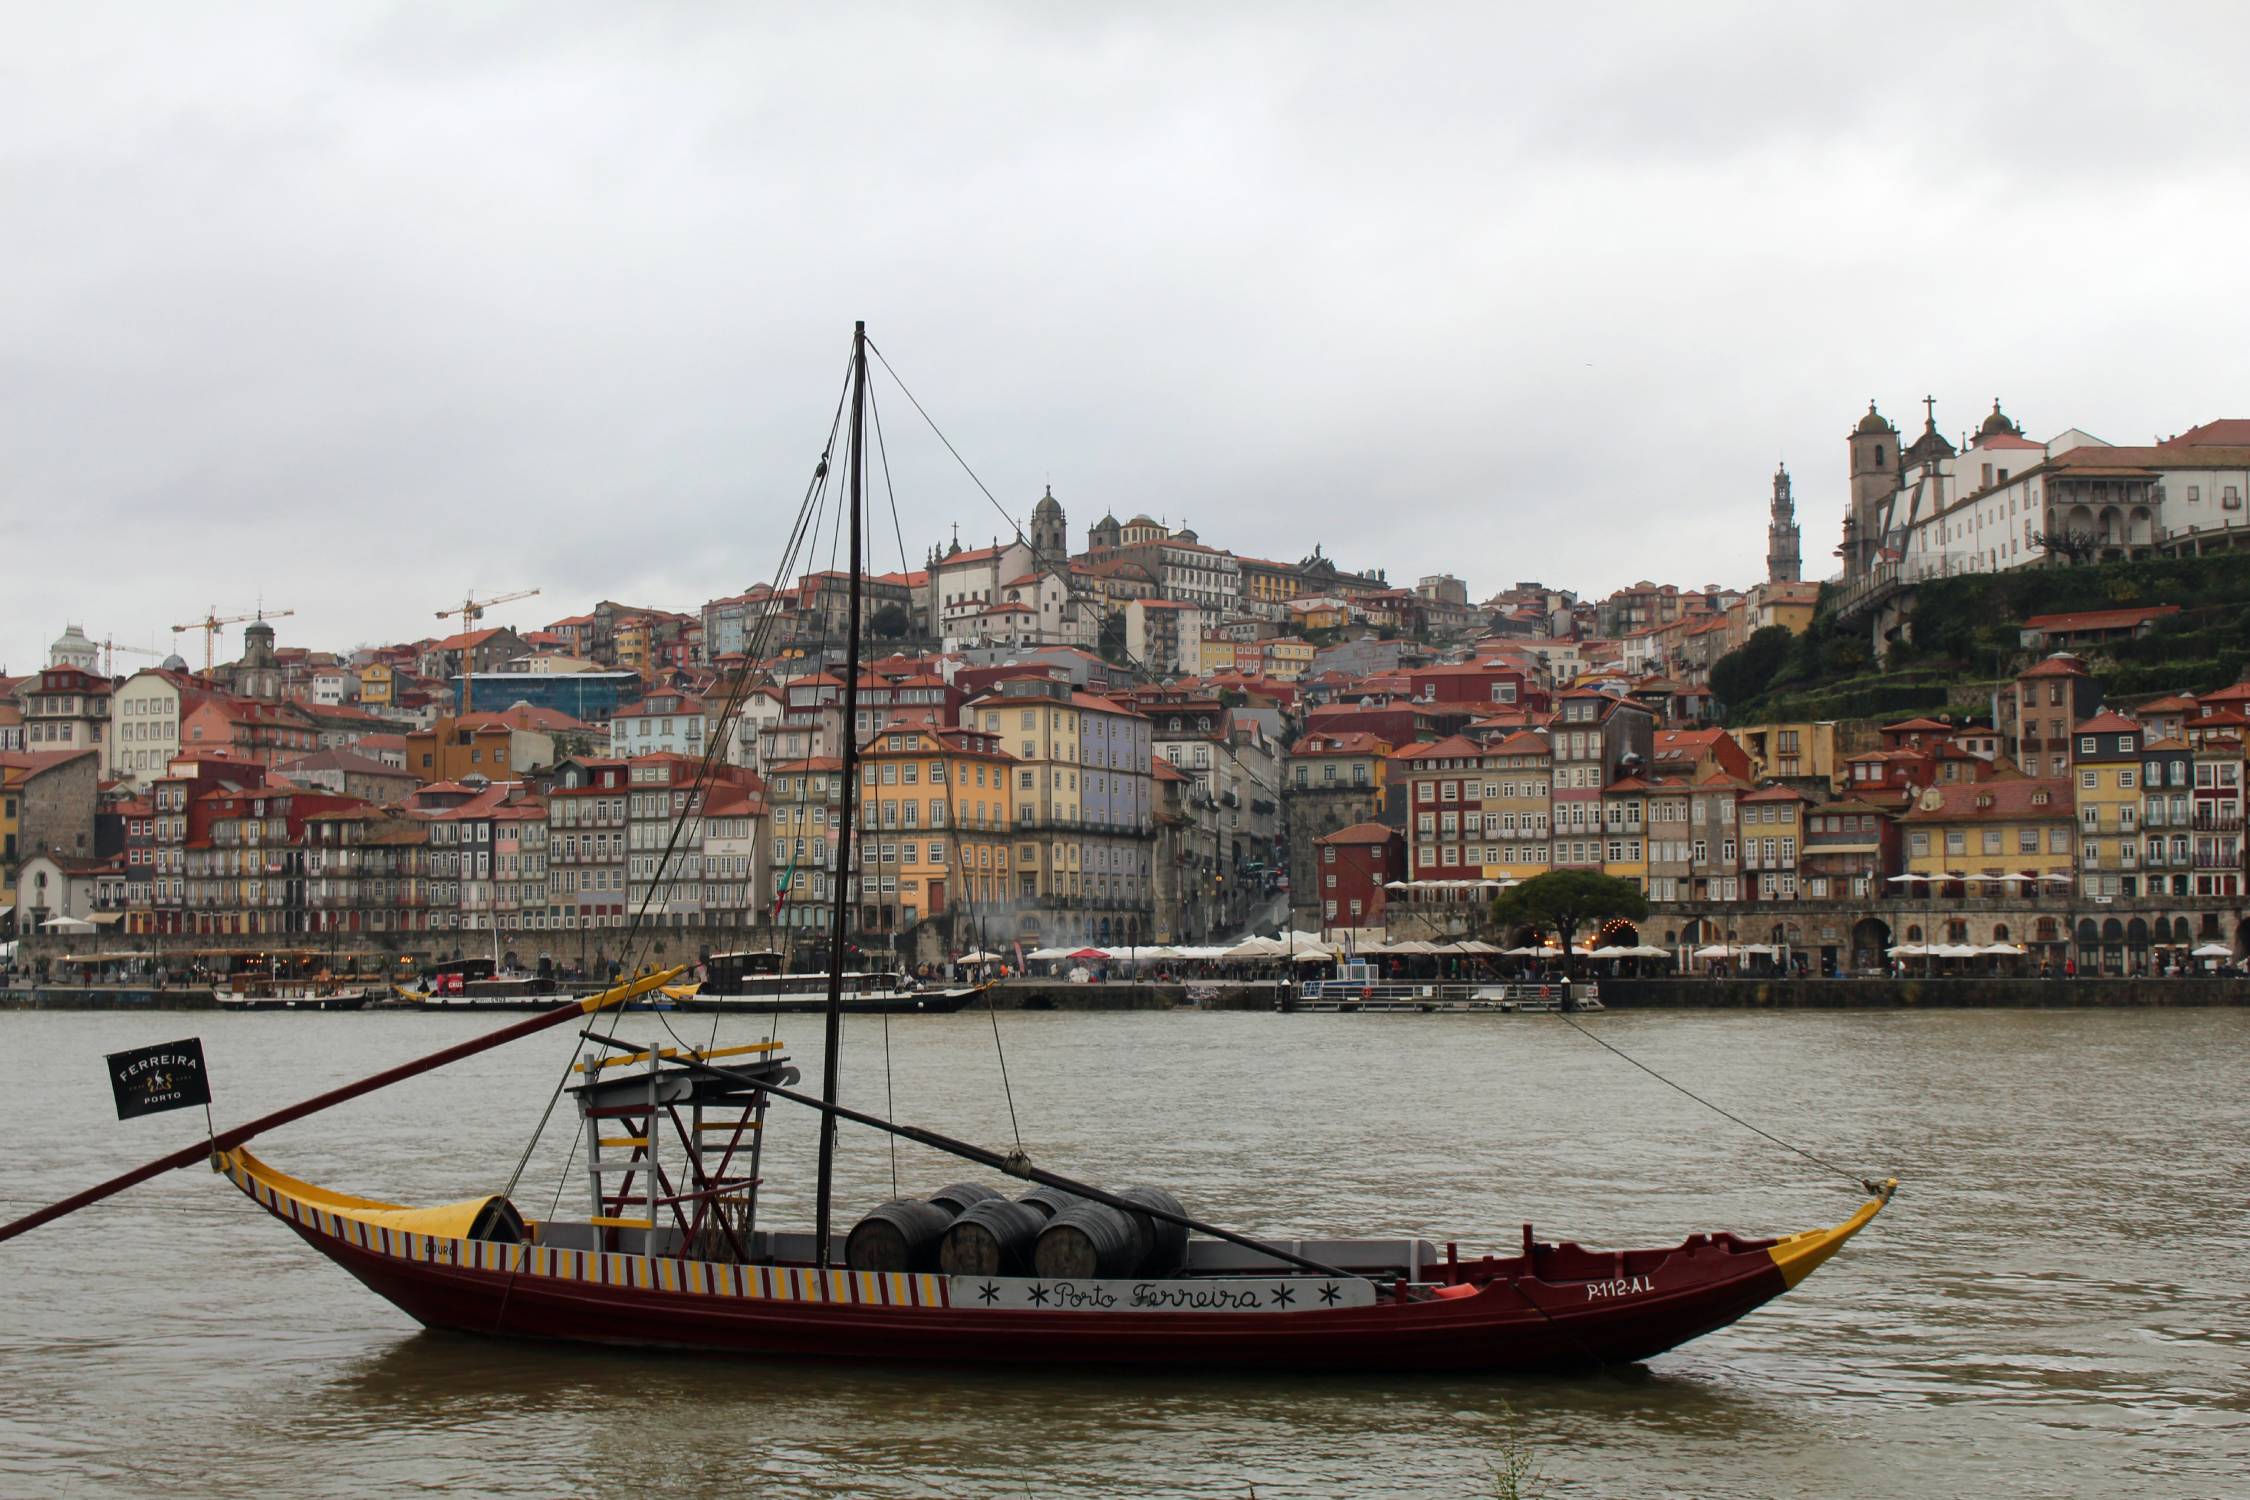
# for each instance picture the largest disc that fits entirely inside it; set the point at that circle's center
(110, 648)
(471, 611)
(213, 622)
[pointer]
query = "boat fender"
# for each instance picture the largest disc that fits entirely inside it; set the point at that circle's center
(1463, 1290)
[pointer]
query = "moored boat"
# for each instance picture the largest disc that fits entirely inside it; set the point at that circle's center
(756, 983)
(671, 1255)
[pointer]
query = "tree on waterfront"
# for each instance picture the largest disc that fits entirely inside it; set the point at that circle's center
(1566, 900)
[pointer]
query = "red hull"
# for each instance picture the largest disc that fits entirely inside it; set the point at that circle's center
(1495, 1329)
(1583, 1308)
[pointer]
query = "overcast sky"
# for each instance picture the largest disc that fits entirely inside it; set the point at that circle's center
(349, 308)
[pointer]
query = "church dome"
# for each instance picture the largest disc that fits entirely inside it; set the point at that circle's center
(1998, 425)
(1048, 505)
(1873, 421)
(175, 663)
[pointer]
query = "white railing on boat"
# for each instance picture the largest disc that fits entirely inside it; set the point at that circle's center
(1428, 996)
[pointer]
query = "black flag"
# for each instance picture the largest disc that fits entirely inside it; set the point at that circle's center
(150, 1080)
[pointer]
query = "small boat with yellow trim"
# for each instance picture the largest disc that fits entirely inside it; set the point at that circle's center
(671, 1252)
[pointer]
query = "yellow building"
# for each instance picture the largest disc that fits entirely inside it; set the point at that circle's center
(11, 800)
(378, 685)
(631, 639)
(1285, 658)
(1966, 834)
(1268, 582)
(2105, 771)
(937, 820)
(1516, 807)
(1791, 751)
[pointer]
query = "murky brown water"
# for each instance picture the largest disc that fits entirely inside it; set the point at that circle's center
(2054, 1306)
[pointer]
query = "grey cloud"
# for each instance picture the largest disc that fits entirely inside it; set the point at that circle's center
(353, 306)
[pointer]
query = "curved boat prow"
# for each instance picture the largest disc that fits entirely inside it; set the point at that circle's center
(1796, 1256)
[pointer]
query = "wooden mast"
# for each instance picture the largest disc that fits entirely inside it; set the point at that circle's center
(846, 894)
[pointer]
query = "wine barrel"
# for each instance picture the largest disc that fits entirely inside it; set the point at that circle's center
(1091, 1241)
(957, 1197)
(991, 1238)
(1050, 1200)
(1167, 1242)
(901, 1235)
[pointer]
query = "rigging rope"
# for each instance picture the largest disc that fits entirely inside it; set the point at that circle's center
(808, 510)
(1867, 1183)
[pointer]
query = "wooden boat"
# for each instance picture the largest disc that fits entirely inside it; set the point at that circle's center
(671, 1255)
(669, 1252)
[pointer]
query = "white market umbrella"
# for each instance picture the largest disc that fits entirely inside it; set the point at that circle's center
(1646, 950)
(1314, 956)
(1255, 947)
(2212, 950)
(1611, 953)
(1908, 950)
(1716, 950)
(66, 924)
(2001, 950)
(980, 958)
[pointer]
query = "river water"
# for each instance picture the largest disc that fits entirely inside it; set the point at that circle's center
(2053, 1307)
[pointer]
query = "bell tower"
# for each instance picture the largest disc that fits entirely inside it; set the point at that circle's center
(1050, 532)
(1874, 476)
(1784, 564)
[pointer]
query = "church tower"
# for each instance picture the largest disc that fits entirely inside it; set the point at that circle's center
(258, 674)
(1050, 534)
(1783, 562)
(1874, 445)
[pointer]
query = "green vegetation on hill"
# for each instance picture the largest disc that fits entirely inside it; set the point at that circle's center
(1965, 639)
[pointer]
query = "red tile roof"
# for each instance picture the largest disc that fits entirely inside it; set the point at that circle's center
(2227, 432)
(1453, 746)
(1360, 833)
(2016, 798)
(2100, 619)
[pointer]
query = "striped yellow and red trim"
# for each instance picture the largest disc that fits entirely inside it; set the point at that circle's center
(663, 1274)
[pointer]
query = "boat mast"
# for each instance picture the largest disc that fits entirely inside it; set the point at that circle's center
(833, 1035)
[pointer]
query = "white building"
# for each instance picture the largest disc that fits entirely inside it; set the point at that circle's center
(1165, 635)
(1995, 505)
(968, 581)
(661, 723)
(145, 714)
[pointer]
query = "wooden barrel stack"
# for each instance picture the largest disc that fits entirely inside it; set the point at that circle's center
(970, 1230)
